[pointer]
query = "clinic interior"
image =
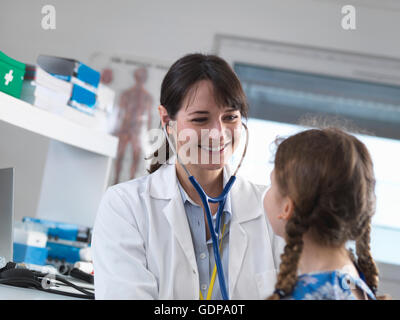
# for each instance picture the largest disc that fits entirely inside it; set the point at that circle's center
(294, 58)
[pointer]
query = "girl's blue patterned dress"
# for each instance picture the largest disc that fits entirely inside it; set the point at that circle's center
(330, 285)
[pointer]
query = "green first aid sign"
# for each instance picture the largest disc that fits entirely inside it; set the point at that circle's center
(11, 75)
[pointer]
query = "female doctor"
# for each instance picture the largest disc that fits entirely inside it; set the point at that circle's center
(151, 238)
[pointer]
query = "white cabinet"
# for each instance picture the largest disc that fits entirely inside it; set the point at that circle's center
(61, 167)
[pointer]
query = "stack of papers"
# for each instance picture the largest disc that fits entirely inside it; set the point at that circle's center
(51, 93)
(83, 80)
(70, 89)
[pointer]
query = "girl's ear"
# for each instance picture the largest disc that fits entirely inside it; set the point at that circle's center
(288, 208)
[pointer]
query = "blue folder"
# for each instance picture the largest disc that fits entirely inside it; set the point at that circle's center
(65, 69)
(83, 96)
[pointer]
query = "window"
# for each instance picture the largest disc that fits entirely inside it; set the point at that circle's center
(279, 98)
(285, 96)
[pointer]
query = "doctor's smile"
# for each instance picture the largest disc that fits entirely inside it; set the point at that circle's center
(214, 150)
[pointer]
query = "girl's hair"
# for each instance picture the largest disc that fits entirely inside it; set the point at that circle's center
(182, 78)
(329, 176)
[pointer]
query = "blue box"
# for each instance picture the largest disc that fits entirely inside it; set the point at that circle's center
(29, 254)
(63, 252)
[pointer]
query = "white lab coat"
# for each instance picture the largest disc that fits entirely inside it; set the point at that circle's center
(142, 245)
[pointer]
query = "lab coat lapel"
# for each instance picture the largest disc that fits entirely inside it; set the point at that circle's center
(237, 250)
(164, 186)
(237, 239)
(176, 216)
(242, 212)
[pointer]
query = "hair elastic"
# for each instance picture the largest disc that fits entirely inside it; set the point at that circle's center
(280, 293)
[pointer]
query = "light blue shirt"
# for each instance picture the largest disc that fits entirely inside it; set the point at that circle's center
(204, 249)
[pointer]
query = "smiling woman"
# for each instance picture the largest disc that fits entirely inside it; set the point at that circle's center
(197, 92)
(157, 232)
(205, 134)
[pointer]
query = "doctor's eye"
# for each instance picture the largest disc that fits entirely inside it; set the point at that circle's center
(232, 117)
(199, 120)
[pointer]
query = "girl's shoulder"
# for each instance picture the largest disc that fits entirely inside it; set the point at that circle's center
(329, 285)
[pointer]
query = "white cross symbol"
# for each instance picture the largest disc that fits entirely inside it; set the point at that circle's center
(9, 77)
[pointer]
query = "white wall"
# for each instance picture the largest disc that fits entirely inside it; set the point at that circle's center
(168, 29)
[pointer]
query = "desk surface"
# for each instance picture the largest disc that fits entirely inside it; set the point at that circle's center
(15, 293)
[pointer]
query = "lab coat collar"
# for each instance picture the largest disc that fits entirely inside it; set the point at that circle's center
(163, 182)
(227, 208)
(164, 185)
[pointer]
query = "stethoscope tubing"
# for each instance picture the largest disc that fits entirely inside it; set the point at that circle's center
(215, 233)
(221, 199)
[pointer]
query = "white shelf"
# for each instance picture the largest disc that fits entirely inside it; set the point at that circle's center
(26, 116)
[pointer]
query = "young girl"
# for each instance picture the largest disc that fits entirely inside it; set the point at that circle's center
(321, 196)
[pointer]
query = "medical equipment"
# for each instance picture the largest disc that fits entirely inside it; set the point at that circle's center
(62, 230)
(30, 243)
(221, 199)
(18, 275)
(63, 241)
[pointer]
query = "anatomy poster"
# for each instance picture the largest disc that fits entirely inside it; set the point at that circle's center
(137, 84)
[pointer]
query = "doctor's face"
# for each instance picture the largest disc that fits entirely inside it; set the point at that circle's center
(207, 133)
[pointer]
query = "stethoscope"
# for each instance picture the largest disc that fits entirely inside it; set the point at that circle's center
(221, 199)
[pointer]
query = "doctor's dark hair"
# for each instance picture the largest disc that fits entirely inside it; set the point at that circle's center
(181, 80)
(328, 174)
